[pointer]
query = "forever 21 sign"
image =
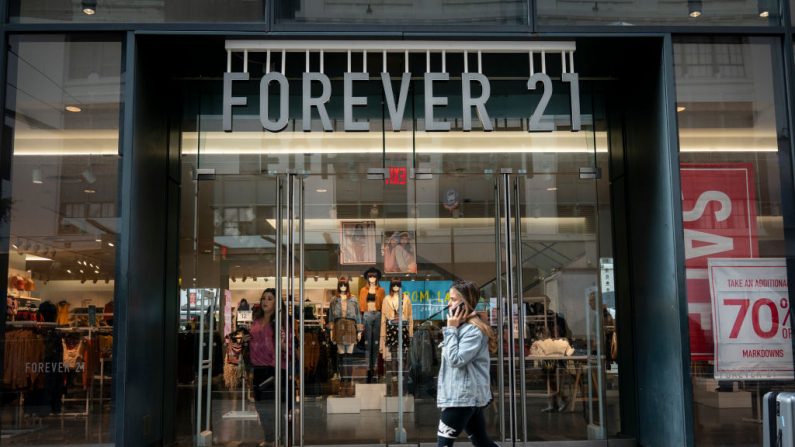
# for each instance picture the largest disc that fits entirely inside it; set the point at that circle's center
(395, 105)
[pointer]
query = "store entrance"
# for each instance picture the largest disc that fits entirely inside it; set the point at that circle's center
(292, 215)
(344, 379)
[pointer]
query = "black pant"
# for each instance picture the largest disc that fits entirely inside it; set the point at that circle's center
(264, 394)
(454, 420)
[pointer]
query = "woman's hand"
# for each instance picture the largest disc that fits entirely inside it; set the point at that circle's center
(455, 318)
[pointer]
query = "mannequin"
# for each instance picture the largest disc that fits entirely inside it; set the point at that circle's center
(345, 319)
(371, 297)
(391, 320)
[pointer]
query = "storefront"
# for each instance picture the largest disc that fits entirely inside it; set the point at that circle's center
(621, 199)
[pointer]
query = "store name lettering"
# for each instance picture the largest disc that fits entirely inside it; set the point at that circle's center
(396, 104)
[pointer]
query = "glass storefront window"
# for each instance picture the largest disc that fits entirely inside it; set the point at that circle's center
(61, 217)
(413, 12)
(734, 233)
(295, 211)
(93, 11)
(658, 13)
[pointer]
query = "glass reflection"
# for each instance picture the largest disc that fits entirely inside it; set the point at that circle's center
(63, 102)
(728, 141)
(657, 13)
(93, 11)
(413, 12)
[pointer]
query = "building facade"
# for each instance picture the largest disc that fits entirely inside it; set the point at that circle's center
(616, 176)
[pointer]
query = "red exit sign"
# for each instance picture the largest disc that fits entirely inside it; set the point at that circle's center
(396, 176)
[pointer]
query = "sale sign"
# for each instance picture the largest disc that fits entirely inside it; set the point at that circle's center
(750, 302)
(719, 214)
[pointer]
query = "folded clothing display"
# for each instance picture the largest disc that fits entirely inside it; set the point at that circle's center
(551, 346)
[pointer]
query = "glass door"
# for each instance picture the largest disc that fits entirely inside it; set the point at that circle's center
(420, 232)
(229, 256)
(559, 313)
(348, 384)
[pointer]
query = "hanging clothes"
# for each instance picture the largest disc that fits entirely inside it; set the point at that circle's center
(63, 313)
(22, 348)
(72, 353)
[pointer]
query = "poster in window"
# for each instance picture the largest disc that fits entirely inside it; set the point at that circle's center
(400, 252)
(751, 319)
(357, 242)
(719, 220)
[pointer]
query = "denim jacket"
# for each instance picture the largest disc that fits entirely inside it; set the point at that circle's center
(351, 312)
(464, 374)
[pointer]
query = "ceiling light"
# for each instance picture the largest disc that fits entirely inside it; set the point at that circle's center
(694, 8)
(36, 176)
(36, 258)
(81, 271)
(90, 191)
(96, 271)
(73, 109)
(14, 246)
(68, 271)
(681, 108)
(763, 8)
(110, 244)
(98, 239)
(321, 190)
(89, 7)
(552, 189)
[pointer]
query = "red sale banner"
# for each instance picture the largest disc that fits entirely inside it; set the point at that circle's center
(719, 214)
(750, 302)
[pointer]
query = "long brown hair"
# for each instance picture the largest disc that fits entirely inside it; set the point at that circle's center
(469, 291)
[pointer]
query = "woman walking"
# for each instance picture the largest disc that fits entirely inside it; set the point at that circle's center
(464, 390)
(262, 348)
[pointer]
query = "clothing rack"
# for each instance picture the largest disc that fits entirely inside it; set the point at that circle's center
(30, 324)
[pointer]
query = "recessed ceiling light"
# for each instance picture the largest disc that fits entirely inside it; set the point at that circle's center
(73, 109)
(89, 190)
(98, 239)
(681, 108)
(321, 190)
(694, 8)
(110, 244)
(764, 14)
(89, 7)
(552, 189)
(68, 271)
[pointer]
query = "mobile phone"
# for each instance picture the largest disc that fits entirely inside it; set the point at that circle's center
(455, 309)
